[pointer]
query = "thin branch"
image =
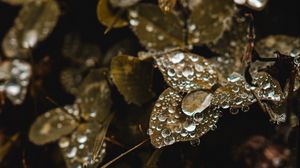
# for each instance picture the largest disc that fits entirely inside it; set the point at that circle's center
(125, 153)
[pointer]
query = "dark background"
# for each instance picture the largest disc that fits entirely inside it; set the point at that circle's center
(216, 148)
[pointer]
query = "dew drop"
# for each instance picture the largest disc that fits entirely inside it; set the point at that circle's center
(233, 111)
(176, 58)
(81, 138)
(63, 142)
(165, 133)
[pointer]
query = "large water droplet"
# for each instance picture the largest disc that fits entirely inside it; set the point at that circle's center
(176, 58)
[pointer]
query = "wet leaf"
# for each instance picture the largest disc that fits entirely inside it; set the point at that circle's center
(14, 79)
(235, 94)
(231, 48)
(54, 124)
(268, 87)
(109, 16)
(84, 54)
(77, 148)
(282, 43)
(168, 124)
(167, 5)
(186, 71)
(209, 20)
(123, 3)
(133, 78)
(155, 29)
(33, 24)
(71, 77)
(95, 97)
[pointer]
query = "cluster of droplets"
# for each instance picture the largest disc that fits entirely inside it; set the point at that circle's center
(234, 95)
(15, 76)
(268, 89)
(77, 148)
(64, 117)
(186, 71)
(149, 28)
(168, 124)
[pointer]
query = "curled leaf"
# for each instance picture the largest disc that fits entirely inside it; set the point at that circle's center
(33, 24)
(14, 79)
(133, 78)
(109, 16)
(268, 87)
(186, 71)
(155, 29)
(168, 124)
(209, 20)
(54, 124)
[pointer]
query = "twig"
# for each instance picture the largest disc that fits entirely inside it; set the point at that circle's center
(123, 154)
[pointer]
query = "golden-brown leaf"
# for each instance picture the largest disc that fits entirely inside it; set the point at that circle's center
(168, 124)
(155, 29)
(167, 5)
(209, 20)
(54, 124)
(133, 78)
(186, 71)
(33, 24)
(109, 16)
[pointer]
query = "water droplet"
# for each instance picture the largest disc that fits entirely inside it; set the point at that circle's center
(13, 89)
(133, 22)
(171, 72)
(165, 133)
(189, 125)
(234, 111)
(63, 142)
(30, 39)
(245, 108)
(169, 140)
(81, 138)
(195, 142)
(149, 28)
(187, 71)
(176, 58)
(72, 152)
